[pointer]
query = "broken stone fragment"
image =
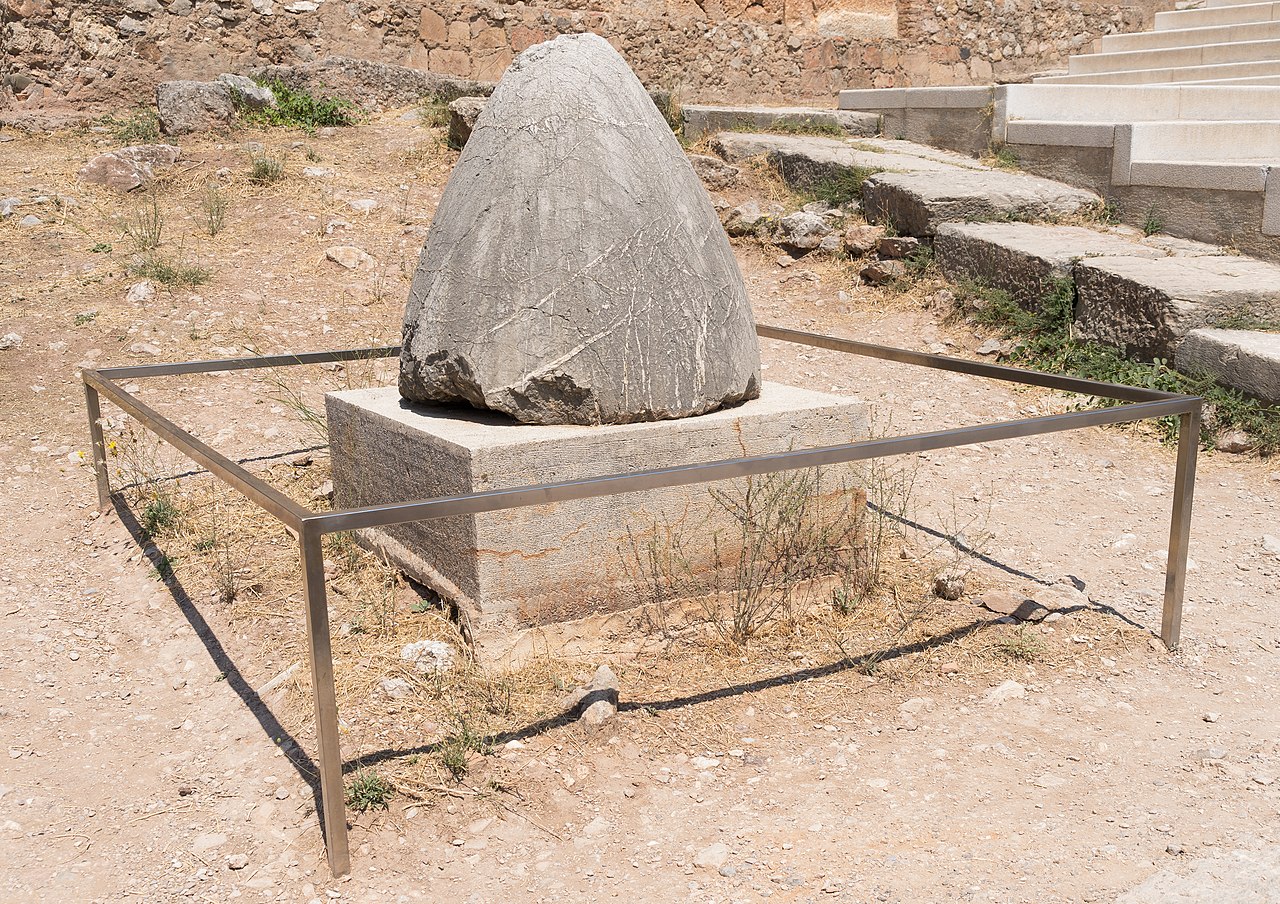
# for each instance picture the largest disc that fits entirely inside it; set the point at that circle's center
(463, 114)
(349, 256)
(861, 240)
(881, 273)
(1234, 442)
(129, 168)
(949, 584)
(714, 172)
(597, 700)
(897, 247)
(186, 107)
(748, 217)
(801, 231)
(248, 94)
(575, 271)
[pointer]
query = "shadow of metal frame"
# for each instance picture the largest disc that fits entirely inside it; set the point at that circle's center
(309, 527)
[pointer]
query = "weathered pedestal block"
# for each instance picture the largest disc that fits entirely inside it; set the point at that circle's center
(525, 567)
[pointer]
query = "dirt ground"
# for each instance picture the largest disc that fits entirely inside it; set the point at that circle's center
(157, 740)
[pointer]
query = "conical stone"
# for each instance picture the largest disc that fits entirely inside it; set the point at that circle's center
(576, 272)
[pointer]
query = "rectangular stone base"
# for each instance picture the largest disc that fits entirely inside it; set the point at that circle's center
(524, 567)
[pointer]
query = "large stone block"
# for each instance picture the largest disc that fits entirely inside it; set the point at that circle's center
(525, 567)
(918, 203)
(702, 120)
(1246, 360)
(185, 107)
(1026, 260)
(1146, 307)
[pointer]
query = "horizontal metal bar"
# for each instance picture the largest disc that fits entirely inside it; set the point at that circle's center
(287, 360)
(834, 343)
(965, 366)
(268, 497)
(683, 475)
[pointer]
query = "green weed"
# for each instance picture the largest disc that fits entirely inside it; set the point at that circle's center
(213, 208)
(174, 274)
(162, 570)
(159, 516)
(1020, 646)
(1152, 222)
(138, 126)
(368, 790)
(146, 226)
(837, 186)
(1001, 156)
(1046, 343)
(265, 170)
(299, 109)
(1243, 321)
(456, 749)
(433, 111)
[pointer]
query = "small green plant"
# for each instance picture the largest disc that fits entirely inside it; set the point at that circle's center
(456, 749)
(1108, 212)
(265, 169)
(138, 126)
(159, 516)
(836, 186)
(174, 274)
(797, 124)
(100, 248)
(145, 226)
(1152, 222)
(85, 317)
(312, 155)
(213, 208)
(299, 109)
(919, 261)
(368, 790)
(1047, 343)
(805, 125)
(1246, 321)
(433, 111)
(1020, 646)
(671, 105)
(1001, 156)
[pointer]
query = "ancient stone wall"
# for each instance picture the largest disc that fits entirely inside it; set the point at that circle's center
(111, 52)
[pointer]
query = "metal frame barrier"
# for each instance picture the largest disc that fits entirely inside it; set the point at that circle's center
(309, 527)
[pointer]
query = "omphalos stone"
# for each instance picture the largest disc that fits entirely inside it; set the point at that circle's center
(576, 271)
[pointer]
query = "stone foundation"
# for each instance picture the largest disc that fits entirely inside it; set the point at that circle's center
(512, 570)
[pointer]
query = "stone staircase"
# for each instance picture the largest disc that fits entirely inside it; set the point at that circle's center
(1236, 44)
(1178, 127)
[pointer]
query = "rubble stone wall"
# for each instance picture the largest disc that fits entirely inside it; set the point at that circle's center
(111, 52)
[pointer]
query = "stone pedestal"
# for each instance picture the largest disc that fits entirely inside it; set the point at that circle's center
(520, 568)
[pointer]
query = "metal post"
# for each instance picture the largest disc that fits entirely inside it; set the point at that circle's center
(99, 447)
(1184, 482)
(329, 754)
